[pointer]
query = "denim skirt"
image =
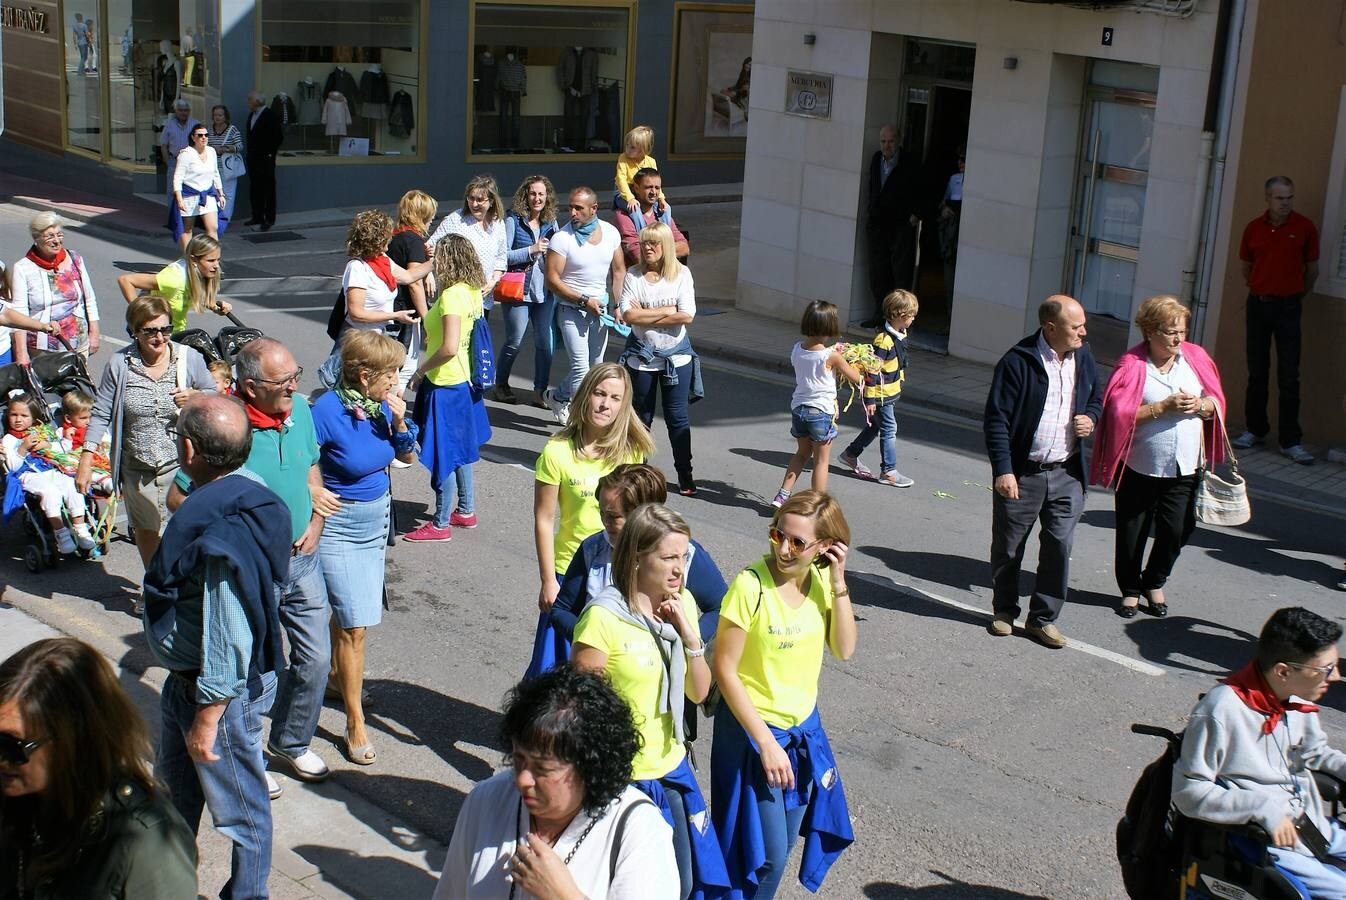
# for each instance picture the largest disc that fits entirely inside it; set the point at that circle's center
(354, 543)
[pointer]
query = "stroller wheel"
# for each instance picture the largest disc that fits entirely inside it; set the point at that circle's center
(32, 558)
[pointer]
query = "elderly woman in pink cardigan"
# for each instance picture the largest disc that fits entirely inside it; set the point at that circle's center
(1162, 422)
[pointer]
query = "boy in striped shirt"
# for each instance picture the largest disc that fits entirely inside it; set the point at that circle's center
(882, 391)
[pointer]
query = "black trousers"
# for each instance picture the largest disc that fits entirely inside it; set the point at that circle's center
(1054, 499)
(262, 187)
(1274, 319)
(892, 261)
(1145, 504)
(576, 121)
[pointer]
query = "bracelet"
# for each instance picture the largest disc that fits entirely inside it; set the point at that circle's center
(844, 592)
(694, 654)
(1154, 414)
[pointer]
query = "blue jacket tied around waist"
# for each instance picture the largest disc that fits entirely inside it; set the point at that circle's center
(826, 828)
(244, 524)
(709, 877)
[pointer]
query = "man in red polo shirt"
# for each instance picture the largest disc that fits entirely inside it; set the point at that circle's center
(1279, 251)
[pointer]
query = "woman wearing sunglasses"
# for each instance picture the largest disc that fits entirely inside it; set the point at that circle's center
(770, 760)
(142, 389)
(191, 283)
(80, 812)
(197, 190)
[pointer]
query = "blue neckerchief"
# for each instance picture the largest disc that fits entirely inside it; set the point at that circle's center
(584, 232)
(736, 783)
(710, 878)
(175, 214)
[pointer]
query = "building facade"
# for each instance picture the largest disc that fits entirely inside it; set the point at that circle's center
(1114, 150)
(378, 96)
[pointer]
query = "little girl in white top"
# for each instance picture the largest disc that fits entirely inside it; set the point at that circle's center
(813, 407)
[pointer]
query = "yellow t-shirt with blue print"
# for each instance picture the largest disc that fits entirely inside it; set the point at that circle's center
(783, 653)
(463, 301)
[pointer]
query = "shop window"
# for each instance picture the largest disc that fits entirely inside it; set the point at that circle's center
(549, 79)
(345, 76)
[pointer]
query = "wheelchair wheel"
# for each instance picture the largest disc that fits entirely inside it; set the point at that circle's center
(32, 558)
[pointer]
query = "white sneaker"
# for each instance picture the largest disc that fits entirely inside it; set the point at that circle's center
(1298, 454)
(83, 539)
(398, 464)
(273, 788)
(307, 766)
(560, 410)
(64, 542)
(1246, 441)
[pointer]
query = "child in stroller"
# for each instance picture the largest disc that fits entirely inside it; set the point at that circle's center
(35, 455)
(76, 411)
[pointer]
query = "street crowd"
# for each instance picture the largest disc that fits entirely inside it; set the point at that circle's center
(263, 522)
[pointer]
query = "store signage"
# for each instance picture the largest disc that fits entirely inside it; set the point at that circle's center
(30, 19)
(354, 147)
(808, 94)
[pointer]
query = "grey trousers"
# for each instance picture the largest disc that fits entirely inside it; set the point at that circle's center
(1056, 499)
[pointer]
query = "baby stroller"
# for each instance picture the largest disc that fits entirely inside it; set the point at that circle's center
(49, 377)
(224, 345)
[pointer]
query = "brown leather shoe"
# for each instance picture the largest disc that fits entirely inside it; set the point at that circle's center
(1047, 635)
(1002, 625)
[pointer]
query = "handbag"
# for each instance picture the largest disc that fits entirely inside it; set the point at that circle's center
(231, 166)
(509, 289)
(481, 365)
(1219, 501)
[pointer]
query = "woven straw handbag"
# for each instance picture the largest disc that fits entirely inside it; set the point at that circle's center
(1220, 501)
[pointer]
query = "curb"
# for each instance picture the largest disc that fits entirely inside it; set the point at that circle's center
(93, 220)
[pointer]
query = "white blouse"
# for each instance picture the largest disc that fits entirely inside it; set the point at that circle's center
(679, 295)
(197, 171)
(1170, 445)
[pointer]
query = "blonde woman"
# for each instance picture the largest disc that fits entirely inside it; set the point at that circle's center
(659, 302)
(191, 283)
(415, 212)
(481, 220)
(52, 285)
(641, 631)
(601, 433)
(451, 416)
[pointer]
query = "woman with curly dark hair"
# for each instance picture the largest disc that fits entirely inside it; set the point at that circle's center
(529, 225)
(565, 819)
(81, 815)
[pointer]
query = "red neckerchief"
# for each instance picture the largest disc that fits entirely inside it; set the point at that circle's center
(383, 267)
(264, 421)
(406, 228)
(1251, 687)
(51, 265)
(18, 434)
(75, 434)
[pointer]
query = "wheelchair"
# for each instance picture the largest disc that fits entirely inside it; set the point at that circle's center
(1219, 862)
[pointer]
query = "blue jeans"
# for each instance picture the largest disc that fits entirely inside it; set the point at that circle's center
(682, 841)
(467, 495)
(884, 424)
(304, 614)
(817, 425)
(585, 340)
(644, 386)
(1322, 880)
(233, 787)
(518, 316)
(780, 829)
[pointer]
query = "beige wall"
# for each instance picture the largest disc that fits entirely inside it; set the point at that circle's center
(801, 237)
(1290, 111)
(32, 64)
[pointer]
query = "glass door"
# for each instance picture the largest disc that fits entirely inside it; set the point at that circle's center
(1110, 198)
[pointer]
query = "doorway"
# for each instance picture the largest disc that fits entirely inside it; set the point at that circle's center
(936, 108)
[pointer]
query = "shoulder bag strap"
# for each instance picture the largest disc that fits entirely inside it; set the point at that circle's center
(1228, 447)
(182, 370)
(617, 835)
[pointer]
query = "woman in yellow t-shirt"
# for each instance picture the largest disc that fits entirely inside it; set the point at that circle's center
(602, 433)
(451, 416)
(189, 283)
(777, 616)
(641, 631)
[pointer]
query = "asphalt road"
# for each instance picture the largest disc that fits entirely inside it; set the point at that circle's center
(975, 767)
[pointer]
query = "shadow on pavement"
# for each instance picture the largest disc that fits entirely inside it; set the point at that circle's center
(369, 876)
(84, 578)
(954, 890)
(721, 493)
(1195, 645)
(503, 417)
(436, 721)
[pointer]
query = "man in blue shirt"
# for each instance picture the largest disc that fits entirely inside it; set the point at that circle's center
(211, 619)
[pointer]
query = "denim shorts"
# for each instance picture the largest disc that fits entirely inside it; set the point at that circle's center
(812, 423)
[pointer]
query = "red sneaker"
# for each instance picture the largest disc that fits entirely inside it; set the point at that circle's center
(429, 533)
(458, 520)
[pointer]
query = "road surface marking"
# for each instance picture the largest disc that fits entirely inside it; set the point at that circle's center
(1071, 643)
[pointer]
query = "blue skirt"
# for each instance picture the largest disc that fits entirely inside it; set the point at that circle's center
(352, 551)
(453, 426)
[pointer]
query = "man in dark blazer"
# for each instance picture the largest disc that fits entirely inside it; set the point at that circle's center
(890, 224)
(1045, 399)
(264, 139)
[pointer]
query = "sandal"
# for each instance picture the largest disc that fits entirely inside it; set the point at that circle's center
(362, 755)
(860, 469)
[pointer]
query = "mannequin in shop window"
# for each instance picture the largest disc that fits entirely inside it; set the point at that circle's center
(483, 98)
(344, 82)
(337, 117)
(512, 79)
(576, 77)
(309, 101)
(168, 72)
(374, 99)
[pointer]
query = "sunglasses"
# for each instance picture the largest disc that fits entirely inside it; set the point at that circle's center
(797, 544)
(16, 752)
(199, 134)
(162, 331)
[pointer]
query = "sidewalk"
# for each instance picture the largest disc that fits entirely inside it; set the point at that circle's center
(938, 382)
